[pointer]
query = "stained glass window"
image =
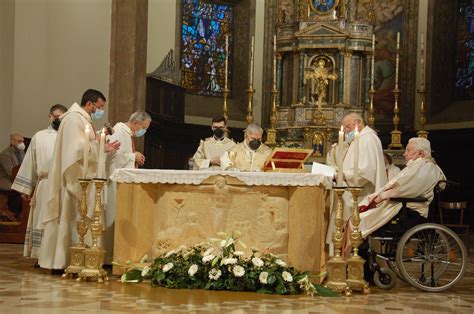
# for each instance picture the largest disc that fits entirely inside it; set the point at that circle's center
(204, 27)
(465, 51)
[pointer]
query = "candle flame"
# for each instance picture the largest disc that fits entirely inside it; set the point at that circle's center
(342, 128)
(357, 130)
(103, 130)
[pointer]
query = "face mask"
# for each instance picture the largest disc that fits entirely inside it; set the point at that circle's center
(55, 124)
(140, 132)
(21, 146)
(254, 144)
(97, 114)
(350, 136)
(218, 133)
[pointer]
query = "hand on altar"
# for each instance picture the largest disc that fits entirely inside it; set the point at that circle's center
(112, 146)
(216, 161)
(139, 158)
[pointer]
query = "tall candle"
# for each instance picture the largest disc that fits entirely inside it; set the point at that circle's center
(226, 65)
(422, 63)
(100, 171)
(397, 60)
(251, 60)
(274, 61)
(339, 156)
(372, 68)
(85, 162)
(356, 157)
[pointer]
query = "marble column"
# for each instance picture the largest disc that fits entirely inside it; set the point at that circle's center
(128, 49)
(341, 78)
(301, 77)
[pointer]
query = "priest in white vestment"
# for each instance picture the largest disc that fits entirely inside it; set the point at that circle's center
(125, 157)
(417, 179)
(32, 177)
(207, 156)
(371, 166)
(250, 155)
(390, 168)
(66, 168)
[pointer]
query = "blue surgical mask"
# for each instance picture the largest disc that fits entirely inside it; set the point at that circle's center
(97, 114)
(350, 136)
(140, 132)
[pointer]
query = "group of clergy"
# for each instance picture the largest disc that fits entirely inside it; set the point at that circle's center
(56, 159)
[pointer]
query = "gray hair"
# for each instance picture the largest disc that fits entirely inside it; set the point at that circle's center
(139, 116)
(354, 116)
(420, 143)
(253, 128)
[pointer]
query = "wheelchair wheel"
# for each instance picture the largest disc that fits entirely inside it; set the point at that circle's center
(431, 257)
(385, 279)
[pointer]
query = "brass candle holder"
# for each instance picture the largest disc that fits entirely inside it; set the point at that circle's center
(337, 274)
(355, 264)
(94, 256)
(396, 134)
(271, 132)
(250, 93)
(77, 252)
(422, 132)
(371, 118)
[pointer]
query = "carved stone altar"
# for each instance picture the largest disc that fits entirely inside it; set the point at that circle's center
(323, 70)
(160, 210)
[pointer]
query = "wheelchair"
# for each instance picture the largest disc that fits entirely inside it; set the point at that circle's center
(428, 256)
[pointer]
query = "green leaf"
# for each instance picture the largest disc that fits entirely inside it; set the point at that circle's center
(326, 292)
(280, 289)
(271, 279)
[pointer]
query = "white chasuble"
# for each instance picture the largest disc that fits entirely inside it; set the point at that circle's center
(417, 179)
(209, 149)
(243, 158)
(32, 176)
(64, 190)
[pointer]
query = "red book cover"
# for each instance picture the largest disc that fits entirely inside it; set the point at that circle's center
(365, 208)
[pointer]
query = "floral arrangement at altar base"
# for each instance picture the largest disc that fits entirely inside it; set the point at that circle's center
(222, 267)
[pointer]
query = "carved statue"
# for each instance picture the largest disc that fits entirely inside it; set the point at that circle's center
(319, 78)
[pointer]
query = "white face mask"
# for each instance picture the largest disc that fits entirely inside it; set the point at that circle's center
(21, 146)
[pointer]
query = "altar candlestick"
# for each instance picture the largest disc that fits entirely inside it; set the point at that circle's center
(372, 68)
(397, 60)
(356, 157)
(85, 162)
(251, 60)
(339, 156)
(100, 171)
(274, 61)
(226, 64)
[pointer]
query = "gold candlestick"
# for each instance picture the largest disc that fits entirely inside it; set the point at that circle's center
(337, 264)
(355, 264)
(271, 132)
(94, 256)
(77, 252)
(250, 93)
(225, 92)
(371, 108)
(396, 134)
(422, 119)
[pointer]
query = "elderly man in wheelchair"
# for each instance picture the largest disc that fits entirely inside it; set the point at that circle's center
(401, 243)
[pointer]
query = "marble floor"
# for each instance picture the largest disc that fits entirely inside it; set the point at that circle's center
(25, 289)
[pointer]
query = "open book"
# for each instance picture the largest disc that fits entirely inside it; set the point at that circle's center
(323, 169)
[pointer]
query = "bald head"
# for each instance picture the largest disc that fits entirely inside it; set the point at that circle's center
(351, 120)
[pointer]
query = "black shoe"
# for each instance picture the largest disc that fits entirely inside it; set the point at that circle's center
(57, 272)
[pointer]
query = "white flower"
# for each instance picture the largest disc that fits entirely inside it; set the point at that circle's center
(123, 278)
(223, 242)
(214, 274)
(238, 271)
(209, 251)
(208, 258)
(167, 267)
(145, 270)
(229, 261)
(170, 253)
(192, 270)
(287, 276)
(257, 262)
(238, 253)
(281, 263)
(263, 277)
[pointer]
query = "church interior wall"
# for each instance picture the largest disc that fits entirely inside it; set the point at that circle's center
(7, 13)
(61, 48)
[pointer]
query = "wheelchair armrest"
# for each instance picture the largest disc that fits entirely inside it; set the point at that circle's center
(409, 200)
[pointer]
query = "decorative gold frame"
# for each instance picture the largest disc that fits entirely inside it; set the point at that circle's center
(313, 9)
(271, 160)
